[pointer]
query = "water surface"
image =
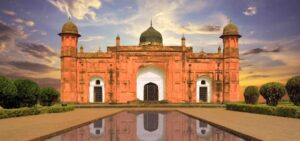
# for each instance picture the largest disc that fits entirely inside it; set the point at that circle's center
(147, 126)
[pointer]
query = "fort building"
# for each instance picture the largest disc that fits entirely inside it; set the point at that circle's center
(149, 71)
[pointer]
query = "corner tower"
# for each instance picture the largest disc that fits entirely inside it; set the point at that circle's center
(69, 39)
(231, 65)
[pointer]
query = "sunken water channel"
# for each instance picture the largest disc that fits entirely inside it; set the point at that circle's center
(147, 126)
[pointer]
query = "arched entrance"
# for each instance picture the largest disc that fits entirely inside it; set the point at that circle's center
(96, 90)
(204, 89)
(150, 84)
(150, 92)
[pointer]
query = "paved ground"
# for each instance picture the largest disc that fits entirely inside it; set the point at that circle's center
(30, 127)
(269, 128)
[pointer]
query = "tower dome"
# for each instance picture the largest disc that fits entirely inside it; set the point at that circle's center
(151, 37)
(231, 29)
(69, 28)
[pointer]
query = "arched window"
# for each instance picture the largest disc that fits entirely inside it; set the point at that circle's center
(97, 82)
(203, 82)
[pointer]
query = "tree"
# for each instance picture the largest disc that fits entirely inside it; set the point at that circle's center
(8, 93)
(28, 92)
(49, 96)
(251, 95)
(272, 92)
(293, 89)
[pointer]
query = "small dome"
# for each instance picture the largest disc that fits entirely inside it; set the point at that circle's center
(151, 37)
(69, 27)
(230, 29)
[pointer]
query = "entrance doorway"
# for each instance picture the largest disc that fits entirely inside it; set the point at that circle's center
(98, 94)
(203, 93)
(150, 92)
(204, 89)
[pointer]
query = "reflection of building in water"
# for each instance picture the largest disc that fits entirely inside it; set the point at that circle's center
(180, 127)
(120, 127)
(151, 126)
(203, 129)
(147, 126)
(97, 128)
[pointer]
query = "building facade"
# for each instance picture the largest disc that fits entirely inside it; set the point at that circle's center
(149, 71)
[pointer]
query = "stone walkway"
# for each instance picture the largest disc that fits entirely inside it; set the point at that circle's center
(264, 127)
(269, 128)
(32, 127)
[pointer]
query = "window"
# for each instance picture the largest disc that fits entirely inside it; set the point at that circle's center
(97, 82)
(203, 82)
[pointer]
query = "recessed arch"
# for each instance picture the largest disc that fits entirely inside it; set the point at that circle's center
(150, 74)
(96, 90)
(204, 89)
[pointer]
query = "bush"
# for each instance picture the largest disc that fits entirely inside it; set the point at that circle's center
(251, 95)
(285, 111)
(272, 92)
(49, 96)
(293, 89)
(8, 113)
(8, 93)
(260, 109)
(28, 92)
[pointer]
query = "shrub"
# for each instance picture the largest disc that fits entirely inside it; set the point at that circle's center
(8, 93)
(272, 92)
(8, 113)
(59, 109)
(28, 92)
(293, 89)
(285, 111)
(49, 96)
(260, 109)
(251, 94)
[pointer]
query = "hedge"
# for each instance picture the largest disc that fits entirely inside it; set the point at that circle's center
(8, 113)
(285, 111)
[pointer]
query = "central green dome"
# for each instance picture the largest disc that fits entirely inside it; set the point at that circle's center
(151, 37)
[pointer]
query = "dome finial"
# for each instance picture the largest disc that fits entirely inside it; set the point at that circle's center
(151, 23)
(69, 18)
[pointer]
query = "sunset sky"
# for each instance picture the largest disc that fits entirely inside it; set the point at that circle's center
(269, 48)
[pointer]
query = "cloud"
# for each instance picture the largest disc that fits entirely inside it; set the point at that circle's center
(33, 67)
(43, 82)
(168, 17)
(80, 9)
(90, 38)
(262, 50)
(27, 23)
(8, 12)
(38, 50)
(250, 11)
(257, 76)
(39, 31)
(8, 36)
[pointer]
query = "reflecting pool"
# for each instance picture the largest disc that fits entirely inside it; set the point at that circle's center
(147, 126)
